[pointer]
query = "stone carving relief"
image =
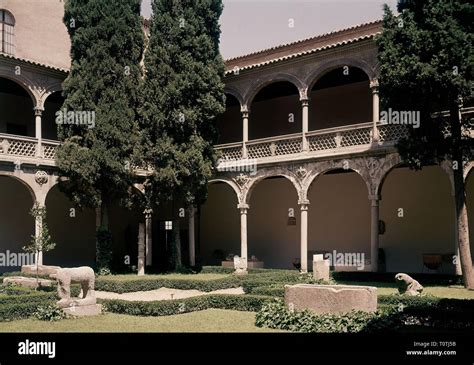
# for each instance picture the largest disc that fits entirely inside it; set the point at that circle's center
(41, 177)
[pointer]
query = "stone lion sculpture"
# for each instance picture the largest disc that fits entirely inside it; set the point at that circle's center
(407, 285)
(83, 275)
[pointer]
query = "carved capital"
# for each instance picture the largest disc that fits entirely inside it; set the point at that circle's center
(38, 111)
(374, 85)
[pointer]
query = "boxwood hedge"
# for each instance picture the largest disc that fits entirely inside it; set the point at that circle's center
(250, 303)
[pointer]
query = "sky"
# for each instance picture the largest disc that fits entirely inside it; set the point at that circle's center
(252, 25)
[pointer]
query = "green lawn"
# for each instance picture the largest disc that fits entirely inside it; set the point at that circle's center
(451, 291)
(211, 320)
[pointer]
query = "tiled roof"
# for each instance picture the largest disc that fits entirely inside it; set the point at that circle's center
(306, 46)
(35, 63)
(275, 54)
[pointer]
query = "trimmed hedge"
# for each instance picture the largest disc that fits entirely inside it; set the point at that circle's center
(24, 305)
(250, 303)
(145, 284)
(275, 315)
(394, 313)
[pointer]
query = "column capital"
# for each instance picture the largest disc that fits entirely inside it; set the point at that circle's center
(304, 102)
(243, 208)
(148, 212)
(38, 111)
(245, 114)
(304, 204)
(374, 197)
(374, 85)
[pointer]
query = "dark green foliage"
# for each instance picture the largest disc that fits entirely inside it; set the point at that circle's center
(275, 315)
(394, 313)
(426, 63)
(426, 57)
(23, 303)
(144, 284)
(170, 307)
(183, 94)
(106, 49)
(104, 247)
(49, 313)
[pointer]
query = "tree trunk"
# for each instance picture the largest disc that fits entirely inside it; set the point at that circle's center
(176, 246)
(104, 216)
(462, 226)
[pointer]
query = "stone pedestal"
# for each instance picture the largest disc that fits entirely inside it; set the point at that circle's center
(42, 269)
(24, 281)
(331, 298)
(84, 310)
(320, 268)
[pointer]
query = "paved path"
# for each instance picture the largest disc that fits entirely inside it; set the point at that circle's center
(163, 294)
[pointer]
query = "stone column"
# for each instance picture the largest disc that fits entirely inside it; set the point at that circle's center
(192, 239)
(374, 231)
(304, 236)
(305, 122)
(38, 232)
(374, 86)
(148, 236)
(38, 134)
(141, 249)
(245, 133)
(243, 235)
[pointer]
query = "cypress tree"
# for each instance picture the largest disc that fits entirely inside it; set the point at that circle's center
(183, 94)
(94, 158)
(426, 65)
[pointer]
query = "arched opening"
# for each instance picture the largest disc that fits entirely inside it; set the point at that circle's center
(7, 34)
(275, 111)
(417, 208)
(229, 124)
(72, 229)
(124, 225)
(17, 116)
(219, 227)
(16, 224)
(274, 223)
(340, 97)
(48, 123)
(339, 220)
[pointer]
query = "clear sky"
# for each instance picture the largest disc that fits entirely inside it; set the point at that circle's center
(251, 25)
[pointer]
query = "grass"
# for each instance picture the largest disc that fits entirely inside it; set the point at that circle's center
(134, 277)
(450, 291)
(211, 320)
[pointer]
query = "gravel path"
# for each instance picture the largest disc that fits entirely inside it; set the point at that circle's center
(163, 294)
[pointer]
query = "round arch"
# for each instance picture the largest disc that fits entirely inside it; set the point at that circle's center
(275, 110)
(331, 65)
(22, 82)
(236, 94)
(260, 84)
(260, 177)
(219, 223)
(17, 226)
(24, 183)
(233, 185)
(229, 123)
(418, 211)
(315, 176)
